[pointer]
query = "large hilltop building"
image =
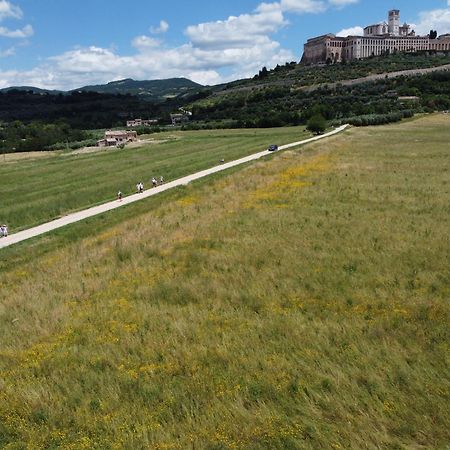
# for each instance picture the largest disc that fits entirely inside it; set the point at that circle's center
(379, 39)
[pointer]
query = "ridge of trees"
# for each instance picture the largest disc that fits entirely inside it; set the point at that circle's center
(282, 105)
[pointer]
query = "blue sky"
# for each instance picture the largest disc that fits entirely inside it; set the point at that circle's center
(64, 44)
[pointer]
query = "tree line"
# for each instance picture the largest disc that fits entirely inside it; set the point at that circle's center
(83, 110)
(21, 137)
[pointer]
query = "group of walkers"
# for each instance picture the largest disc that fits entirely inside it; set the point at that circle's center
(140, 187)
(3, 231)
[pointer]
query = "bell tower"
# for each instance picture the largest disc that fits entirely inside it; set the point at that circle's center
(394, 22)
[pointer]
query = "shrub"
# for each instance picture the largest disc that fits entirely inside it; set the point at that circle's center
(317, 124)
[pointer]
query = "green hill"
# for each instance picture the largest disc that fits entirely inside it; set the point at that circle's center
(34, 90)
(300, 75)
(291, 94)
(149, 90)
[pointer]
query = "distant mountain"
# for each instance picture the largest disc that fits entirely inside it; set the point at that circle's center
(148, 90)
(33, 89)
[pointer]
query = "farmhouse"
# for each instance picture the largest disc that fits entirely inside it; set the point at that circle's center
(115, 138)
(141, 123)
(378, 39)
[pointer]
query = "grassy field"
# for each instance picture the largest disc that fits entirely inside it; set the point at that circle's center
(38, 189)
(301, 302)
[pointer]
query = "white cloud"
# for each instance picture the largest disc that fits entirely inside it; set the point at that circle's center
(354, 31)
(438, 19)
(303, 6)
(143, 42)
(7, 52)
(244, 31)
(162, 28)
(8, 10)
(205, 77)
(22, 33)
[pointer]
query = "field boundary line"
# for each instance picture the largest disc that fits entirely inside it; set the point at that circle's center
(115, 204)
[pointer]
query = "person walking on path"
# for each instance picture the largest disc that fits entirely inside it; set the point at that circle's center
(119, 196)
(161, 180)
(3, 231)
(154, 182)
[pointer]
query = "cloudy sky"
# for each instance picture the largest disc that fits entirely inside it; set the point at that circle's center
(65, 44)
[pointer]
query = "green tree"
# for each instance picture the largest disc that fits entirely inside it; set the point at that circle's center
(317, 124)
(263, 73)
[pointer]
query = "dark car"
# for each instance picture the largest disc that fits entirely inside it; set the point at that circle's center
(273, 148)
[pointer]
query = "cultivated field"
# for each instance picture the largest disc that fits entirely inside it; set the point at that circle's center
(300, 302)
(36, 190)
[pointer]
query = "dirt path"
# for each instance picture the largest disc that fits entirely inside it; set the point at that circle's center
(110, 206)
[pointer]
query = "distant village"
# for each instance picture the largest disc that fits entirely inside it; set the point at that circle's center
(117, 138)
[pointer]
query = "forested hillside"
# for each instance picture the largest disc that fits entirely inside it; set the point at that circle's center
(273, 106)
(293, 74)
(153, 90)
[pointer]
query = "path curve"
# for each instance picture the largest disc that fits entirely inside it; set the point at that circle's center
(110, 206)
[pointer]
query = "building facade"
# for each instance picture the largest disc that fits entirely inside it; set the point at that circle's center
(141, 123)
(115, 138)
(378, 39)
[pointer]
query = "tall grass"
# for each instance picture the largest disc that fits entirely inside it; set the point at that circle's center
(299, 303)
